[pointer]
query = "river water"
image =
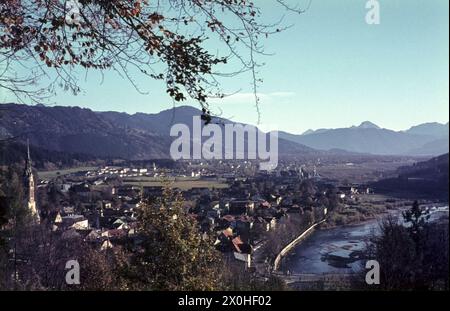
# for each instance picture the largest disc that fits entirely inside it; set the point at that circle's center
(337, 250)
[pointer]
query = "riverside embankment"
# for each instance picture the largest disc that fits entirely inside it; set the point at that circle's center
(294, 243)
(337, 250)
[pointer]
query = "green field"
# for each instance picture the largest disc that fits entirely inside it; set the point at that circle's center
(62, 172)
(183, 183)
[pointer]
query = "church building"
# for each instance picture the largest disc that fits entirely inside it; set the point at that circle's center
(30, 187)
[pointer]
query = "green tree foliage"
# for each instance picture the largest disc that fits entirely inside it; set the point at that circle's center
(417, 218)
(174, 255)
(13, 192)
(412, 256)
(15, 218)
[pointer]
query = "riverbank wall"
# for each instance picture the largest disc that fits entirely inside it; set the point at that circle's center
(292, 244)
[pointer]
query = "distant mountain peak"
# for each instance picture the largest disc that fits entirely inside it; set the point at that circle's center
(183, 109)
(368, 125)
(431, 128)
(318, 131)
(308, 132)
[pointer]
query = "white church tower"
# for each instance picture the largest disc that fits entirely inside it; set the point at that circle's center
(29, 185)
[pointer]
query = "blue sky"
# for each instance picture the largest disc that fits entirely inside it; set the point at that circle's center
(329, 70)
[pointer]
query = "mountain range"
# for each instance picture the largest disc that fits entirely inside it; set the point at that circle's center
(106, 134)
(427, 139)
(146, 136)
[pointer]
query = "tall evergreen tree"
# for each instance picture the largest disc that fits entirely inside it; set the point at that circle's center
(174, 254)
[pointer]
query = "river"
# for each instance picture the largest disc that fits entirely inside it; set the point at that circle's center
(337, 250)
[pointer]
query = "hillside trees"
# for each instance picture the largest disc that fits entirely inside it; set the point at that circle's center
(412, 257)
(14, 224)
(32, 257)
(174, 255)
(171, 253)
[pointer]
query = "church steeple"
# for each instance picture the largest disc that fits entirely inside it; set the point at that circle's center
(29, 185)
(28, 164)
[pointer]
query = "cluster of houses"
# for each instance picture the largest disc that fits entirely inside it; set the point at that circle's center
(351, 192)
(102, 222)
(103, 210)
(123, 171)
